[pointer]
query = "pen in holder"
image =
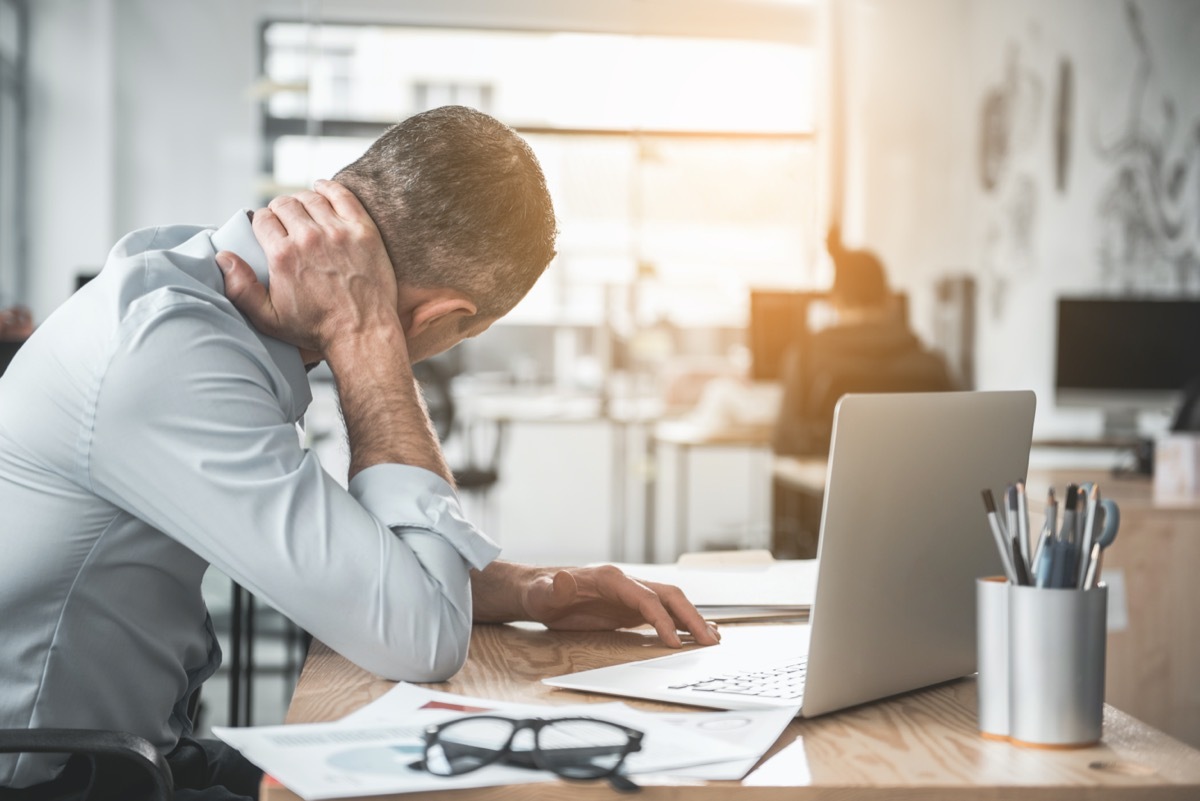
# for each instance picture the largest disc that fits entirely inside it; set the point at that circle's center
(1041, 627)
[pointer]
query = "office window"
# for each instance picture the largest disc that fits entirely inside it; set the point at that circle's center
(682, 169)
(12, 152)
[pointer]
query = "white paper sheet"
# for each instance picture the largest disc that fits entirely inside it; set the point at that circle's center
(789, 582)
(369, 752)
(757, 729)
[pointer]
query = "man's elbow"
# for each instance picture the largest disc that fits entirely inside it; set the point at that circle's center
(440, 662)
(430, 653)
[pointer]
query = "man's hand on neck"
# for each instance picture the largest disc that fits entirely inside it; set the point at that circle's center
(333, 295)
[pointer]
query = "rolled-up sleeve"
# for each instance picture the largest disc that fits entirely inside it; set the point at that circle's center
(427, 502)
(189, 434)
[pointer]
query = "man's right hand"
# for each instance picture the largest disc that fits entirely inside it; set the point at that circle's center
(330, 276)
(333, 293)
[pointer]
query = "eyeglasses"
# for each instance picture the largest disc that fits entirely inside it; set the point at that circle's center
(573, 748)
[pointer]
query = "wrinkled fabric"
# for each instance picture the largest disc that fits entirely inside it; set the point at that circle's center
(148, 431)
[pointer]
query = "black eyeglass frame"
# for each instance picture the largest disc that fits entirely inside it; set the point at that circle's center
(534, 756)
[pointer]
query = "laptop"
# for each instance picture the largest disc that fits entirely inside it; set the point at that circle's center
(903, 537)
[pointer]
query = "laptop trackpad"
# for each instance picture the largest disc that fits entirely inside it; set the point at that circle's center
(678, 662)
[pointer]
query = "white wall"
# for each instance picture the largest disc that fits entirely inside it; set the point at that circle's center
(141, 111)
(919, 74)
(139, 115)
(71, 149)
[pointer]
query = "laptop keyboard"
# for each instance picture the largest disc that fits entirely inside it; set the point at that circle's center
(784, 682)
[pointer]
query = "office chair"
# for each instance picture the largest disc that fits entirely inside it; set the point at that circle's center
(805, 425)
(110, 746)
(920, 372)
(481, 441)
(8, 350)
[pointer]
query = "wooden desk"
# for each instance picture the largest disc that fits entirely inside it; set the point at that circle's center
(1153, 666)
(922, 745)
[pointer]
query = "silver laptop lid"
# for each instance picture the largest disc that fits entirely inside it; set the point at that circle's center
(903, 536)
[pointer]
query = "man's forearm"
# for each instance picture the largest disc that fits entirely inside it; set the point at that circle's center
(386, 420)
(497, 591)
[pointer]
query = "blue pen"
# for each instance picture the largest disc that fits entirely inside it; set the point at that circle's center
(1062, 570)
(1042, 566)
(1056, 566)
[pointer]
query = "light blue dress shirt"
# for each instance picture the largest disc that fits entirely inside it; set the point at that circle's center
(148, 431)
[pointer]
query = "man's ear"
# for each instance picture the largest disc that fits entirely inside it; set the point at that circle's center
(428, 311)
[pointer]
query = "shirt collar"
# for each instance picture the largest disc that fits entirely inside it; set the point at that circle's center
(238, 237)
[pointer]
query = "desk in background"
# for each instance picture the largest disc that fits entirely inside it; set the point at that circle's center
(639, 440)
(685, 438)
(921, 745)
(797, 493)
(1154, 662)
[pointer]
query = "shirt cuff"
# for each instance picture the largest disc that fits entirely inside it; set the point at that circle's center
(403, 496)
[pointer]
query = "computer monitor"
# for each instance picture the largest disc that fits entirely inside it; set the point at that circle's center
(1125, 355)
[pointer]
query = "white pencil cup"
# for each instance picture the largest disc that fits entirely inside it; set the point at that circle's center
(991, 633)
(1041, 663)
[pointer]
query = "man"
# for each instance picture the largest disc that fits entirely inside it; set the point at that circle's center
(147, 430)
(869, 349)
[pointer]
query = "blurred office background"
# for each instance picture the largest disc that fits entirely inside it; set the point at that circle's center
(999, 156)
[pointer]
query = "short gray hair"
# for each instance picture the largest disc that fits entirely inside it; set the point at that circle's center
(461, 202)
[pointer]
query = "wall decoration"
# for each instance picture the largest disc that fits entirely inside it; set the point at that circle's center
(1009, 119)
(1010, 125)
(1009, 241)
(993, 142)
(1064, 100)
(1149, 210)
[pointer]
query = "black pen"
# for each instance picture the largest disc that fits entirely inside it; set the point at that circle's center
(1019, 563)
(1067, 532)
(1010, 511)
(1020, 558)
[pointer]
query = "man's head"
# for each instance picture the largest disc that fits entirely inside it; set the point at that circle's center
(463, 209)
(859, 283)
